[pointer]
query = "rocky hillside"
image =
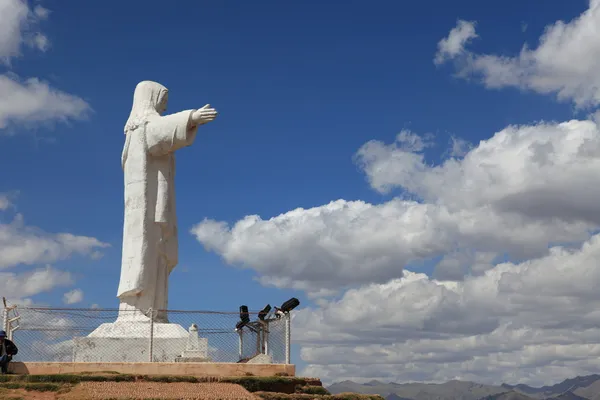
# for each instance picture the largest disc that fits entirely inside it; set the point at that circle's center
(579, 388)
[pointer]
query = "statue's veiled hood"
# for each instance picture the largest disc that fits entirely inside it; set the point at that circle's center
(149, 98)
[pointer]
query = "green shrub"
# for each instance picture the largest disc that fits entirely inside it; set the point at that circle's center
(38, 387)
(280, 384)
(312, 390)
(170, 379)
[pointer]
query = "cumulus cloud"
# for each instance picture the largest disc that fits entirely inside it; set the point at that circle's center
(46, 334)
(25, 245)
(528, 194)
(352, 242)
(19, 27)
(524, 188)
(25, 284)
(459, 147)
(5, 201)
(528, 317)
(29, 101)
(508, 225)
(22, 244)
(547, 69)
(43, 350)
(73, 296)
(533, 171)
(34, 101)
(454, 45)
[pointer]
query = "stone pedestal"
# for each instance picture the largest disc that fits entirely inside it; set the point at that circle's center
(128, 341)
(261, 359)
(196, 349)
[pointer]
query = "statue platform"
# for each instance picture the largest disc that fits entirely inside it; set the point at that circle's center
(130, 341)
(157, 368)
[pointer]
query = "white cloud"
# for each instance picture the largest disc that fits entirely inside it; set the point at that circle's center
(17, 28)
(45, 334)
(353, 242)
(565, 62)
(41, 12)
(459, 147)
(528, 317)
(30, 101)
(42, 350)
(454, 45)
(527, 194)
(34, 101)
(21, 244)
(25, 284)
(533, 171)
(74, 296)
(5, 202)
(514, 194)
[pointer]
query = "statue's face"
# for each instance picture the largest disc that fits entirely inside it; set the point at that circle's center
(161, 108)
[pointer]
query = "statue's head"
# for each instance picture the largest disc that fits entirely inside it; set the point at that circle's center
(149, 98)
(150, 95)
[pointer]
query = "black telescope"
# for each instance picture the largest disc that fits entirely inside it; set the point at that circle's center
(264, 312)
(244, 315)
(289, 305)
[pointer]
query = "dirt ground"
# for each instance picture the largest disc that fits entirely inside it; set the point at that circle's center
(14, 394)
(155, 390)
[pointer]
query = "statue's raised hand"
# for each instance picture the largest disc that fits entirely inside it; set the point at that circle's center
(204, 115)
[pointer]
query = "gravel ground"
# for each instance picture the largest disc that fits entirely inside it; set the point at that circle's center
(19, 394)
(157, 390)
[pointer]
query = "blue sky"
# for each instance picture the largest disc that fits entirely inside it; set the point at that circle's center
(300, 88)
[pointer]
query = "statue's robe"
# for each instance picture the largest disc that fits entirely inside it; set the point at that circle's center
(150, 245)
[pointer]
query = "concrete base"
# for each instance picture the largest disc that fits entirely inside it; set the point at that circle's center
(135, 329)
(261, 359)
(128, 341)
(179, 368)
(193, 359)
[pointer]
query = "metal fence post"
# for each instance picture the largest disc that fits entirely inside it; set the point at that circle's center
(258, 342)
(265, 327)
(151, 344)
(5, 319)
(241, 343)
(288, 337)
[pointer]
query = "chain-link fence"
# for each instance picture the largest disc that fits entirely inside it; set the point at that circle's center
(112, 335)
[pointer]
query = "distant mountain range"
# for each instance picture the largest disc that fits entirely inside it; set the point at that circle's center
(579, 388)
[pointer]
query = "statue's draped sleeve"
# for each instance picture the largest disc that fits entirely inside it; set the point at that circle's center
(164, 136)
(169, 133)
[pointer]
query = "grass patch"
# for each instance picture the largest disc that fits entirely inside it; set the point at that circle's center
(282, 384)
(67, 378)
(99, 373)
(267, 383)
(251, 383)
(38, 387)
(170, 379)
(312, 390)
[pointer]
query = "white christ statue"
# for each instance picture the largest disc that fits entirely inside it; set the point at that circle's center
(150, 243)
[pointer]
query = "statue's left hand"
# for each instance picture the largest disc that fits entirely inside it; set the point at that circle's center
(204, 115)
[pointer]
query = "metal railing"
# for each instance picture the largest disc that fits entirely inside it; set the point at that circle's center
(110, 335)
